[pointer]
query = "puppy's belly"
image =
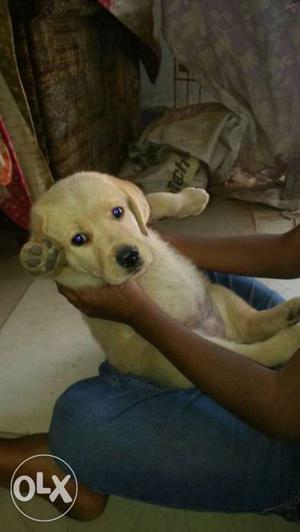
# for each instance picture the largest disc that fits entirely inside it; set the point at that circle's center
(208, 321)
(130, 353)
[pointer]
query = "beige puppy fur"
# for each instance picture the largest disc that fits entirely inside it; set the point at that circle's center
(83, 203)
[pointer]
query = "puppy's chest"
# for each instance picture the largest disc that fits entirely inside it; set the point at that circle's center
(178, 299)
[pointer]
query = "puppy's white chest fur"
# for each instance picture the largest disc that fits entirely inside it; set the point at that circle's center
(173, 282)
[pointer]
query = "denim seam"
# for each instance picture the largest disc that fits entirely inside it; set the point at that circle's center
(124, 379)
(290, 504)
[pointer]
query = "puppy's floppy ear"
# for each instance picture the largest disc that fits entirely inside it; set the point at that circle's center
(137, 202)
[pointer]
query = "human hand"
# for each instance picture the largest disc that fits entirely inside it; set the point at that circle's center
(120, 303)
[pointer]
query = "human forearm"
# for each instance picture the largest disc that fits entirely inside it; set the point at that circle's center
(276, 256)
(247, 389)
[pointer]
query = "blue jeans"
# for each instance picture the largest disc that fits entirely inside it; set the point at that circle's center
(127, 436)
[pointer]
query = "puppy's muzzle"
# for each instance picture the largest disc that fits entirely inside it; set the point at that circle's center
(129, 258)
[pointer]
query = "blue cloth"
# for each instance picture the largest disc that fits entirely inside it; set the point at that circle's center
(127, 436)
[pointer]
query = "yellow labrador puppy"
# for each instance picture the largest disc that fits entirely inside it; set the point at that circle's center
(90, 229)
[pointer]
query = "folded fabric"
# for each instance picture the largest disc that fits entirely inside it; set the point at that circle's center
(185, 147)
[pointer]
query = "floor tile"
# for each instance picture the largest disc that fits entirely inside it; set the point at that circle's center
(268, 220)
(14, 281)
(287, 288)
(14, 521)
(45, 346)
(132, 516)
(237, 523)
(136, 517)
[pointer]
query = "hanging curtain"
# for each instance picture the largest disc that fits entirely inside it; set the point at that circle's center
(137, 15)
(24, 173)
(246, 55)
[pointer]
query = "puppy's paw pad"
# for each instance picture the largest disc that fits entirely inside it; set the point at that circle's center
(41, 257)
(32, 258)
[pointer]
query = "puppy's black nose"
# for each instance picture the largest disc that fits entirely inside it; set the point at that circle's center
(128, 257)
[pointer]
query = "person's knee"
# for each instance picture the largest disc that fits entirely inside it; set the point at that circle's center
(70, 422)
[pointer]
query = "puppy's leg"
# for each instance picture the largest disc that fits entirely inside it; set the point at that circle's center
(246, 325)
(42, 257)
(190, 201)
(272, 352)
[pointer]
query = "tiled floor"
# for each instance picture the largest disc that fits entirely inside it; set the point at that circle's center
(13, 280)
(45, 346)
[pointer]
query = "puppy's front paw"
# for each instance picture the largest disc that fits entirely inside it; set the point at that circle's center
(42, 257)
(195, 201)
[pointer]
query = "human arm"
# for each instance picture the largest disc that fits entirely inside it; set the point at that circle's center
(275, 256)
(266, 399)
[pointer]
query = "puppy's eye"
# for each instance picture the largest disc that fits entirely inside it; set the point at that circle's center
(79, 239)
(117, 212)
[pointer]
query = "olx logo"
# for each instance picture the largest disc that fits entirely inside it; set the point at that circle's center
(23, 488)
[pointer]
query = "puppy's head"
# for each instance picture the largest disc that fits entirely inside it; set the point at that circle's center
(98, 223)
